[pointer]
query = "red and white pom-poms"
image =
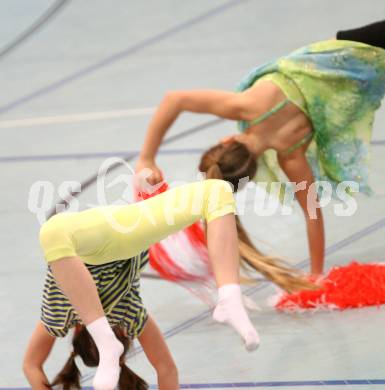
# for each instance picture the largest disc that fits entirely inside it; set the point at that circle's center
(346, 287)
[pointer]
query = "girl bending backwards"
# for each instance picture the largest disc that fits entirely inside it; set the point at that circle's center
(307, 115)
(90, 287)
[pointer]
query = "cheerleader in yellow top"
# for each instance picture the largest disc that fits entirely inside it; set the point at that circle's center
(102, 235)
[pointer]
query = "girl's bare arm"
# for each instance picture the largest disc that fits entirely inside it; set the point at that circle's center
(221, 103)
(298, 170)
(228, 105)
(38, 350)
(159, 356)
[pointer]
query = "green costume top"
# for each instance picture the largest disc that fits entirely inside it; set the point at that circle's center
(339, 85)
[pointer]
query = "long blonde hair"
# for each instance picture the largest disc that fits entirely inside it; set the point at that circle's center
(232, 163)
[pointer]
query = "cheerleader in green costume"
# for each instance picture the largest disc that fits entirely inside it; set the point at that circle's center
(307, 116)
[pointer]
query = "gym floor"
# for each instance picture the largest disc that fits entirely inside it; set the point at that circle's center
(79, 81)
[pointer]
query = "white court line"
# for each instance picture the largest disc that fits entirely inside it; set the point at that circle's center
(87, 116)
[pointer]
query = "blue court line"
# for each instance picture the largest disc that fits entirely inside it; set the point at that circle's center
(117, 153)
(378, 142)
(37, 25)
(253, 385)
(281, 384)
(148, 42)
(89, 156)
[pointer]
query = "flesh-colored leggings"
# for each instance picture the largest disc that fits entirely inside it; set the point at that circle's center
(109, 233)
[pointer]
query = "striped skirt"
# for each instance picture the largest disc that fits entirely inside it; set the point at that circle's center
(118, 285)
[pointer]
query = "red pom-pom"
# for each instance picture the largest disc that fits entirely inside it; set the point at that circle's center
(352, 286)
(141, 195)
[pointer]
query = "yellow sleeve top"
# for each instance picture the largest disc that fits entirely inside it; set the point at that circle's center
(105, 234)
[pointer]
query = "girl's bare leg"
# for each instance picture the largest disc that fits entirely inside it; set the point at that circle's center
(223, 251)
(222, 241)
(78, 285)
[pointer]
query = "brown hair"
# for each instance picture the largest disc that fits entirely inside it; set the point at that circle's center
(85, 347)
(232, 163)
(229, 162)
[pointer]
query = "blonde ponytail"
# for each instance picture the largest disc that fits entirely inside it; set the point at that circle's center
(233, 163)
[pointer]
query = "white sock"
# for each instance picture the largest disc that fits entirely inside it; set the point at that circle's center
(110, 349)
(230, 309)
